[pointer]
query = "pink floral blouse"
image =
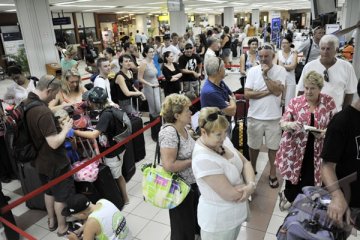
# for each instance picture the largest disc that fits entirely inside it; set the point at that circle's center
(290, 155)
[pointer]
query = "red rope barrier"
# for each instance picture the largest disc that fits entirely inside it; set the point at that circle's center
(232, 66)
(16, 229)
(74, 170)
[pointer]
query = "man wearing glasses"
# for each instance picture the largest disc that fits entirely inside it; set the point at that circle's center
(51, 161)
(264, 86)
(339, 75)
(190, 65)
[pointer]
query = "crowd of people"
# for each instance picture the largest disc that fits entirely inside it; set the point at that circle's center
(312, 139)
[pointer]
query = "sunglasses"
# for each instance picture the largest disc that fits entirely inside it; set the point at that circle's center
(212, 117)
(52, 80)
(266, 46)
(219, 64)
(326, 75)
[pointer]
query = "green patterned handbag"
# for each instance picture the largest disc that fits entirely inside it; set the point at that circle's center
(161, 188)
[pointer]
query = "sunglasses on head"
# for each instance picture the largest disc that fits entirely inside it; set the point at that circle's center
(266, 46)
(219, 64)
(326, 75)
(51, 81)
(212, 117)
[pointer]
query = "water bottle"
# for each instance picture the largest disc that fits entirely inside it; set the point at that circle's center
(2, 232)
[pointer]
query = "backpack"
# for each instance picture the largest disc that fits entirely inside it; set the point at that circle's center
(122, 124)
(308, 219)
(17, 134)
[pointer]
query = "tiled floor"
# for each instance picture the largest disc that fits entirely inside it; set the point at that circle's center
(150, 223)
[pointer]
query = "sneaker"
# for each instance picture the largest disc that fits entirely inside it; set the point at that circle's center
(284, 204)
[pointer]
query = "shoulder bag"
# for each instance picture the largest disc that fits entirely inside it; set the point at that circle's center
(161, 188)
(300, 65)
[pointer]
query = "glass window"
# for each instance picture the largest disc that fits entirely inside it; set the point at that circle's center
(65, 35)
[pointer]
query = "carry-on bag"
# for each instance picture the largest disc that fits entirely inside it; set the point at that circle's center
(155, 129)
(308, 220)
(139, 141)
(239, 132)
(30, 180)
(107, 187)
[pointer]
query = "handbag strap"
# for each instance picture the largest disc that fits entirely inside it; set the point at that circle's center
(308, 54)
(157, 151)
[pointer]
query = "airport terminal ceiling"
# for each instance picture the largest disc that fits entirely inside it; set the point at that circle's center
(158, 7)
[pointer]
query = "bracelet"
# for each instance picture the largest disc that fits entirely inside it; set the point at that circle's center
(253, 184)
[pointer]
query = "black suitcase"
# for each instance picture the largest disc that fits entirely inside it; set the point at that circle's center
(139, 141)
(107, 187)
(29, 178)
(128, 167)
(9, 233)
(239, 133)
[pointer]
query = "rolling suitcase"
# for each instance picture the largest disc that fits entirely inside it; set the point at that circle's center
(9, 233)
(29, 178)
(107, 187)
(155, 129)
(128, 167)
(139, 141)
(239, 132)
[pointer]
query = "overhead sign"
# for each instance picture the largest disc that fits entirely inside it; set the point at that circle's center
(61, 21)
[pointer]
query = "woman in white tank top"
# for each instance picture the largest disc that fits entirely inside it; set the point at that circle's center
(288, 59)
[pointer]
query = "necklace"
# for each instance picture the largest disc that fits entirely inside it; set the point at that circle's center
(221, 153)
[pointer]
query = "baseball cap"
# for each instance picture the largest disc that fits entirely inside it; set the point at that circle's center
(75, 204)
(188, 45)
(95, 95)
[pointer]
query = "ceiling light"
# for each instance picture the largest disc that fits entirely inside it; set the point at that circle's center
(70, 2)
(10, 10)
(214, 1)
(7, 5)
(86, 6)
(141, 7)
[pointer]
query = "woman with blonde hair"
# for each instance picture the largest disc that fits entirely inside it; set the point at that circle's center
(298, 157)
(225, 178)
(176, 146)
(71, 90)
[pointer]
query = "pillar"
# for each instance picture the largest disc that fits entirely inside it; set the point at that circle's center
(255, 17)
(38, 33)
(178, 22)
(229, 16)
(352, 16)
(141, 23)
(211, 19)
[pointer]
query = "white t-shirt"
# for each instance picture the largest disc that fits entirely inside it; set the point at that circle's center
(314, 52)
(172, 49)
(103, 83)
(144, 38)
(269, 107)
(342, 80)
(214, 213)
(138, 38)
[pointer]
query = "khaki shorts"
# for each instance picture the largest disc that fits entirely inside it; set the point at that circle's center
(115, 165)
(257, 129)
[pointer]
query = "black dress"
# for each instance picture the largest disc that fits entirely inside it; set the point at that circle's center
(307, 169)
(171, 87)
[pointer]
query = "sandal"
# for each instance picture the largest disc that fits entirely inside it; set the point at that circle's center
(284, 204)
(273, 182)
(54, 227)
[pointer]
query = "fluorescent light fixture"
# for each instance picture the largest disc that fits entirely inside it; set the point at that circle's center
(10, 10)
(7, 5)
(141, 7)
(214, 1)
(95, 9)
(70, 2)
(86, 6)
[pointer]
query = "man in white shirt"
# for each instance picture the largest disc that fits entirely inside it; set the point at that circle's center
(138, 40)
(339, 75)
(144, 40)
(175, 40)
(102, 79)
(169, 47)
(264, 86)
(214, 46)
(315, 49)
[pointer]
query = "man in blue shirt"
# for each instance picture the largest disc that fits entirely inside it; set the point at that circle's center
(215, 93)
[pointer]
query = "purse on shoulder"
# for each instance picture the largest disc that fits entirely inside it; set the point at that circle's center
(161, 188)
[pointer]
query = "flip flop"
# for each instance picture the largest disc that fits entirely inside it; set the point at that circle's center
(273, 182)
(52, 228)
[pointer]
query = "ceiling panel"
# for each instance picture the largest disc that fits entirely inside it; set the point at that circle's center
(159, 6)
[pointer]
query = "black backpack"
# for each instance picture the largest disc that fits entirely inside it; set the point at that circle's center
(17, 134)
